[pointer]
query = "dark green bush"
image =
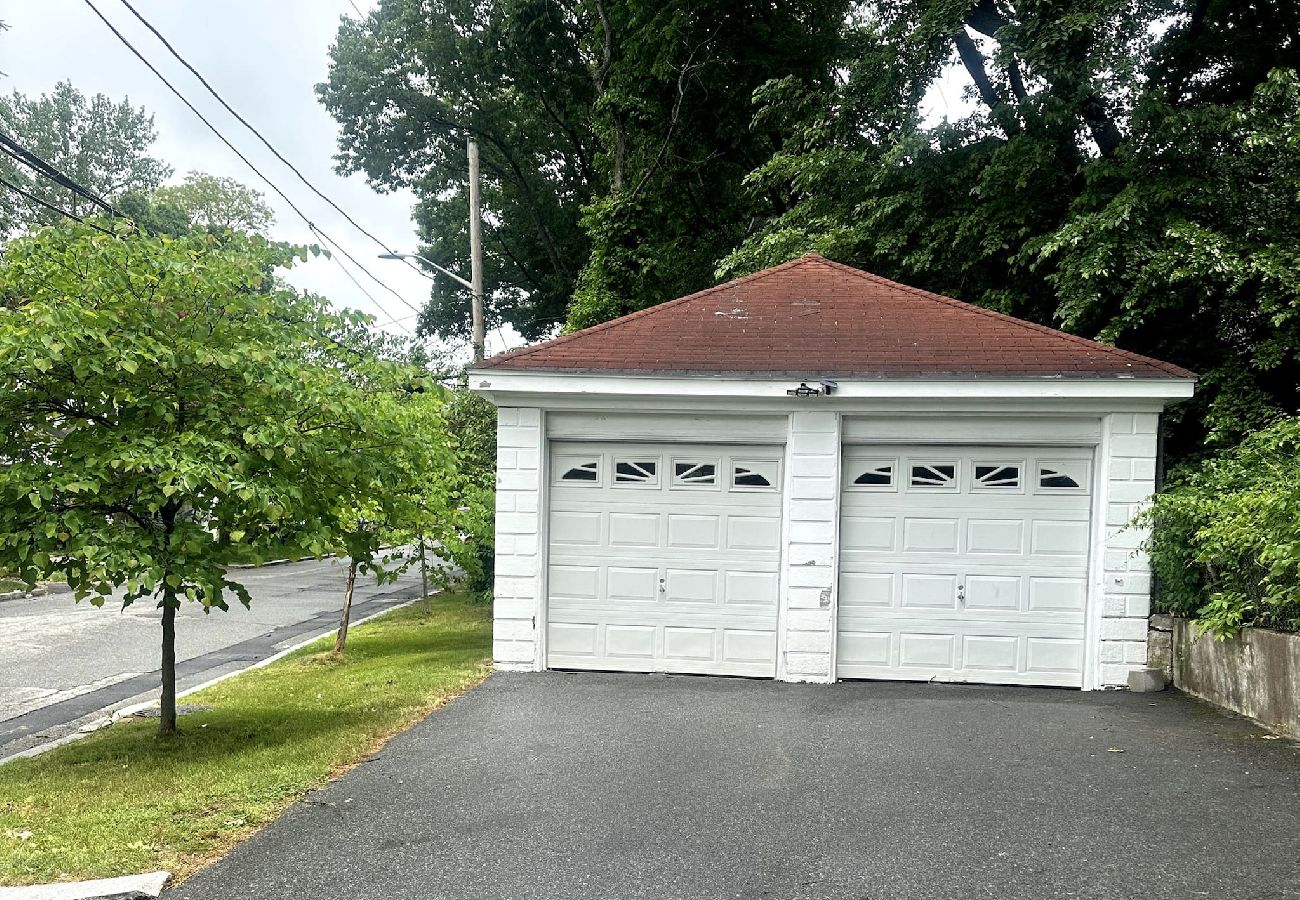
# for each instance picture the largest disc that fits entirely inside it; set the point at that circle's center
(1225, 542)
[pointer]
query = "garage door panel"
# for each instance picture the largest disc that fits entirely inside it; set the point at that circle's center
(990, 592)
(751, 588)
(634, 530)
(1054, 655)
(659, 562)
(681, 642)
(867, 534)
(573, 528)
(929, 535)
(573, 638)
(978, 572)
(1059, 538)
(928, 591)
(754, 533)
(691, 586)
(630, 640)
(749, 646)
(1057, 594)
(863, 649)
(632, 585)
(995, 536)
(693, 531)
(990, 652)
(578, 582)
(866, 589)
(927, 651)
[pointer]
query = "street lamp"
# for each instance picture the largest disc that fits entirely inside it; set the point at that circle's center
(475, 284)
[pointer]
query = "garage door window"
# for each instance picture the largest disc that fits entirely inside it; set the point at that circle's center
(636, 472)
(1002, 477)
(574, 470)
(753, 474)
(875, 475)
(695, 473)
(1065, 476)
(934, 475)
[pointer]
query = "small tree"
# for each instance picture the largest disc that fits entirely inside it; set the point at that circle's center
(164, 404)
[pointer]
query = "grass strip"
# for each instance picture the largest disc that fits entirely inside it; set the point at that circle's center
(125, 800)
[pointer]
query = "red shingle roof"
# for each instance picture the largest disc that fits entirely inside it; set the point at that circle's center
(815, 318)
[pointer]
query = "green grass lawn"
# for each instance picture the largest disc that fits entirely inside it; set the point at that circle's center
(125, 800)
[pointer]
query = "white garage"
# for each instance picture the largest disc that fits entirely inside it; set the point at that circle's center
(965, 563)
(814, 474)
(664, 557)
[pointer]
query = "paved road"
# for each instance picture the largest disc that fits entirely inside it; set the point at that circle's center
(64, 664)
(585, 786)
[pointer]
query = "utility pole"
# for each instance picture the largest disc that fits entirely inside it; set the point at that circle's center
(477, 335)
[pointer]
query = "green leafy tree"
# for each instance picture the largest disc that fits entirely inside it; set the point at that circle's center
(613, 137)
(1128, 173)
(166, 409)
(100, 144)
(201, 201)
(1226, 538)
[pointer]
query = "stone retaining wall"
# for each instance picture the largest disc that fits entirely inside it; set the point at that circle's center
(1256, 673)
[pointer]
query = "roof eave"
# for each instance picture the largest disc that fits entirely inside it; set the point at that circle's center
(494, 381)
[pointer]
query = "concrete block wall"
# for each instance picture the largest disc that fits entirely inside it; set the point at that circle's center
(812, 492)
(520, 460)
(1126, 571)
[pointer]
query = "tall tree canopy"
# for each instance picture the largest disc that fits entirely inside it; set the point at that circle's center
(101, 144)
(1130, 173)
(614, 137)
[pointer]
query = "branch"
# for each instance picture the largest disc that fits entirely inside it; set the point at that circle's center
(973, 60)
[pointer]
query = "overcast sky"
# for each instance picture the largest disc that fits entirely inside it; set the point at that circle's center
(265, 58)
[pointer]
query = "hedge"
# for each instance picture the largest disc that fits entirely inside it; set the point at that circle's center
(1225, 542)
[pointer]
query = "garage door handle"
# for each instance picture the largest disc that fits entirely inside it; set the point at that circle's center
(961, 593)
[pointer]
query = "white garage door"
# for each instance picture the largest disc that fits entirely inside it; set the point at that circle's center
(664, 557)
(963, 563)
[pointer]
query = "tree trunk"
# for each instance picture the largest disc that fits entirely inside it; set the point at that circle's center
(341, 641)
(167, 706)
(424, 579)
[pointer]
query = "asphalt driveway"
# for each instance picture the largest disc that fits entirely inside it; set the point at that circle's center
(631, 786)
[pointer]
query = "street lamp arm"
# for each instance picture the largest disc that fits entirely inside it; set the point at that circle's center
(431, 264)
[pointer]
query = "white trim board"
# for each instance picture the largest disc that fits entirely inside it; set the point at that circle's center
(499, 383)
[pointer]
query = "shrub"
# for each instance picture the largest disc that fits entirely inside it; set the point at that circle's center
(1225, 542)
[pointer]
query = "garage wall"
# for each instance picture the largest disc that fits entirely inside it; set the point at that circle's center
(518, 585)
(812, 488)
(1130, 442)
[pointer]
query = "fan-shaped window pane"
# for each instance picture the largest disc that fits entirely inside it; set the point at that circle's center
(997, 476)
(692, 472)
(1050, 478)
(636, 472)
(583, 472)
(940, 475)
(753, 474)
(876, 476)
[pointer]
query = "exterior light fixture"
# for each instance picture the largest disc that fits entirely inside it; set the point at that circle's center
(824, 388)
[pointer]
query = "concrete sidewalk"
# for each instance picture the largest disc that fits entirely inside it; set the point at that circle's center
(632, 786)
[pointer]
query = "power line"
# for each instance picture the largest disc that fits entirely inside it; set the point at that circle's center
(352, 278)
(258, 172)
(266, 143)
(17, 151)
(32, 198)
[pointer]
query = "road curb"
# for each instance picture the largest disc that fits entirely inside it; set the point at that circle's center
(128, 711)
(126, 887)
